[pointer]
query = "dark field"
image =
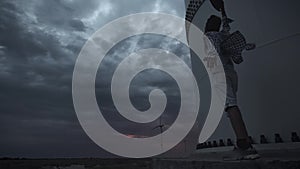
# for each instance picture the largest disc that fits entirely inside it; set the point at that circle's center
(94, 163)
(86, 163)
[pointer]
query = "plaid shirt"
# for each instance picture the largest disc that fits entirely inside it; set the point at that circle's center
(228, 45)
(216, 41)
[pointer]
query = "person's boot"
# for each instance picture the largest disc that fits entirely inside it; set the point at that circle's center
(245, 151)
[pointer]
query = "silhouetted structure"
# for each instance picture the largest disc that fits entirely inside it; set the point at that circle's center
(295, 137)
(263, 139)
(278, 138)
(209, 145)
(199, 146)
(229, 142)
(221, 143)
(215, 144)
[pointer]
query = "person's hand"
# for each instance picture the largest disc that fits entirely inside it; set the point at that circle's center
(218, 4)
(222, 5)
(250, 46)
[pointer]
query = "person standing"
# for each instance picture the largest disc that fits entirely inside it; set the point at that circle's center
(229, 47)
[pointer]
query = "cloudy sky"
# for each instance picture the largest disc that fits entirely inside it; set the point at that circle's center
(40, 41)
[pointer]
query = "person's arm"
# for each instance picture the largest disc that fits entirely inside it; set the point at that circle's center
(211, 52)
(226, 21)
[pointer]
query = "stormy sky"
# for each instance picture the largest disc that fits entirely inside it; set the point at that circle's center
(40, 41)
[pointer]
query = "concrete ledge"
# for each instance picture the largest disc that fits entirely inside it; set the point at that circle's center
(257, 164)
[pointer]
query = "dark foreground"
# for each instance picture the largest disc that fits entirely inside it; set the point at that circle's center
(274, 156)
(143, 164)
(78, 163)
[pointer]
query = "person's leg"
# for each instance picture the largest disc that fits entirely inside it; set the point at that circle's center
(239, 127)
(243, 149)
(234, 113)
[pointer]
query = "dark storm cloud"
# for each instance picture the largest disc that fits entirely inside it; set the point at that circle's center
(36, 105)
(77, 25)
(141, 86)
(39, 43)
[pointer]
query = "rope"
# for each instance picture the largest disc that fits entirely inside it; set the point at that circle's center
(266, 44)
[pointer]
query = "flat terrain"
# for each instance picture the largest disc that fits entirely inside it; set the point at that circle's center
(86, 163)
(274, 156)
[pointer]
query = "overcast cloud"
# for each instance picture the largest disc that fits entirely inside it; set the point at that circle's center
(41, 39)
(39, 43)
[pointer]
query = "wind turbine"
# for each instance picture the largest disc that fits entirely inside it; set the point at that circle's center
(160, 126)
